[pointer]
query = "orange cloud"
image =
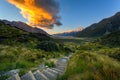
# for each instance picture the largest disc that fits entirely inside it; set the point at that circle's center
(39, 13)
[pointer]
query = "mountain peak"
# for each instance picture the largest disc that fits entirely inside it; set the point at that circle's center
(70, 32)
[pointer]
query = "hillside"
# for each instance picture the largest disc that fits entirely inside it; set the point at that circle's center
(103, 27)
(93, 61)
(24, 50)
(23, 26)
(112, 39)
(15, 33)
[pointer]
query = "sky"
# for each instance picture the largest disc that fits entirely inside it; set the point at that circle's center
(74, 13)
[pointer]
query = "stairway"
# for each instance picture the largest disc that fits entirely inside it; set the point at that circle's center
(46, 73)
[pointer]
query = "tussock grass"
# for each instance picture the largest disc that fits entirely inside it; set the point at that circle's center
(92, 62)
(21, 57)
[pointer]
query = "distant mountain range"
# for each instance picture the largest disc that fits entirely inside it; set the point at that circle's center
(70, 32)
(106, 26)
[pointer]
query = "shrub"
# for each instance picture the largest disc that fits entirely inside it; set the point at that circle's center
(48, 46)
(68, 50)
(50, 64)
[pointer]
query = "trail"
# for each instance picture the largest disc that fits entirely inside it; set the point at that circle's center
(45, 73)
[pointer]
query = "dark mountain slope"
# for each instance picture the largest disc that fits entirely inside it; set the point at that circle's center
(104, 27)
(9, 32)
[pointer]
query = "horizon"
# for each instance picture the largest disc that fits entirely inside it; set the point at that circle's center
(73, 14)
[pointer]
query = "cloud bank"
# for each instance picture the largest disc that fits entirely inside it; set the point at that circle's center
(39, 13)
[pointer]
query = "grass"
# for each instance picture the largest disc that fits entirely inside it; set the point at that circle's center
(23, 50)
(21, 57)
(92, 61)
(26, 56)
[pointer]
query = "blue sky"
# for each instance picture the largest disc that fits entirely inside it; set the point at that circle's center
(74, 13)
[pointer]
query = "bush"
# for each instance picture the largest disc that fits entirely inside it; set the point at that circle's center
(50, 64)
(68, 49)
(48, 46)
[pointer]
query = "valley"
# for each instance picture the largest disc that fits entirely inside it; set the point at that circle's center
(33, 54)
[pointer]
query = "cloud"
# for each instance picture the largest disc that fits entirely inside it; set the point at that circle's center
(39, 13)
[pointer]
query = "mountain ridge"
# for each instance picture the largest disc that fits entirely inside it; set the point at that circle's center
(70, 32)
(24, 26)
(11, 33)
(103, 27)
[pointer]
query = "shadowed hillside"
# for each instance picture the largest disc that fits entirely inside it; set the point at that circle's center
(13, 32)
(112, 39)
(104, 27)
(23, 50)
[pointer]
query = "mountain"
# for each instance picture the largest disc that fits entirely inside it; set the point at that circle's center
(66, 34)
(70, 32)
(106, 26)
(20, 32)
(24, 26)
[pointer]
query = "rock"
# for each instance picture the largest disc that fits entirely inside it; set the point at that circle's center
(12, 72)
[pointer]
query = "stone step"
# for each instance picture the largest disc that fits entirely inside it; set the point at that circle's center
(28, 76)
(58, 70)
(60, 67)
(49, 75)
(40, 76)
(61, 64)
(53, 71)
(15, 77)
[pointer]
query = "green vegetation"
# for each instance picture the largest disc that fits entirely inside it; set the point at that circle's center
(112, 39)
(10, 35)
(93, 61)
(25, 51)
(50, 63)
(48, 46)
(20, 57)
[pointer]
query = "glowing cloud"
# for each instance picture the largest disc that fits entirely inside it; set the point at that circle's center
(39, 13)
